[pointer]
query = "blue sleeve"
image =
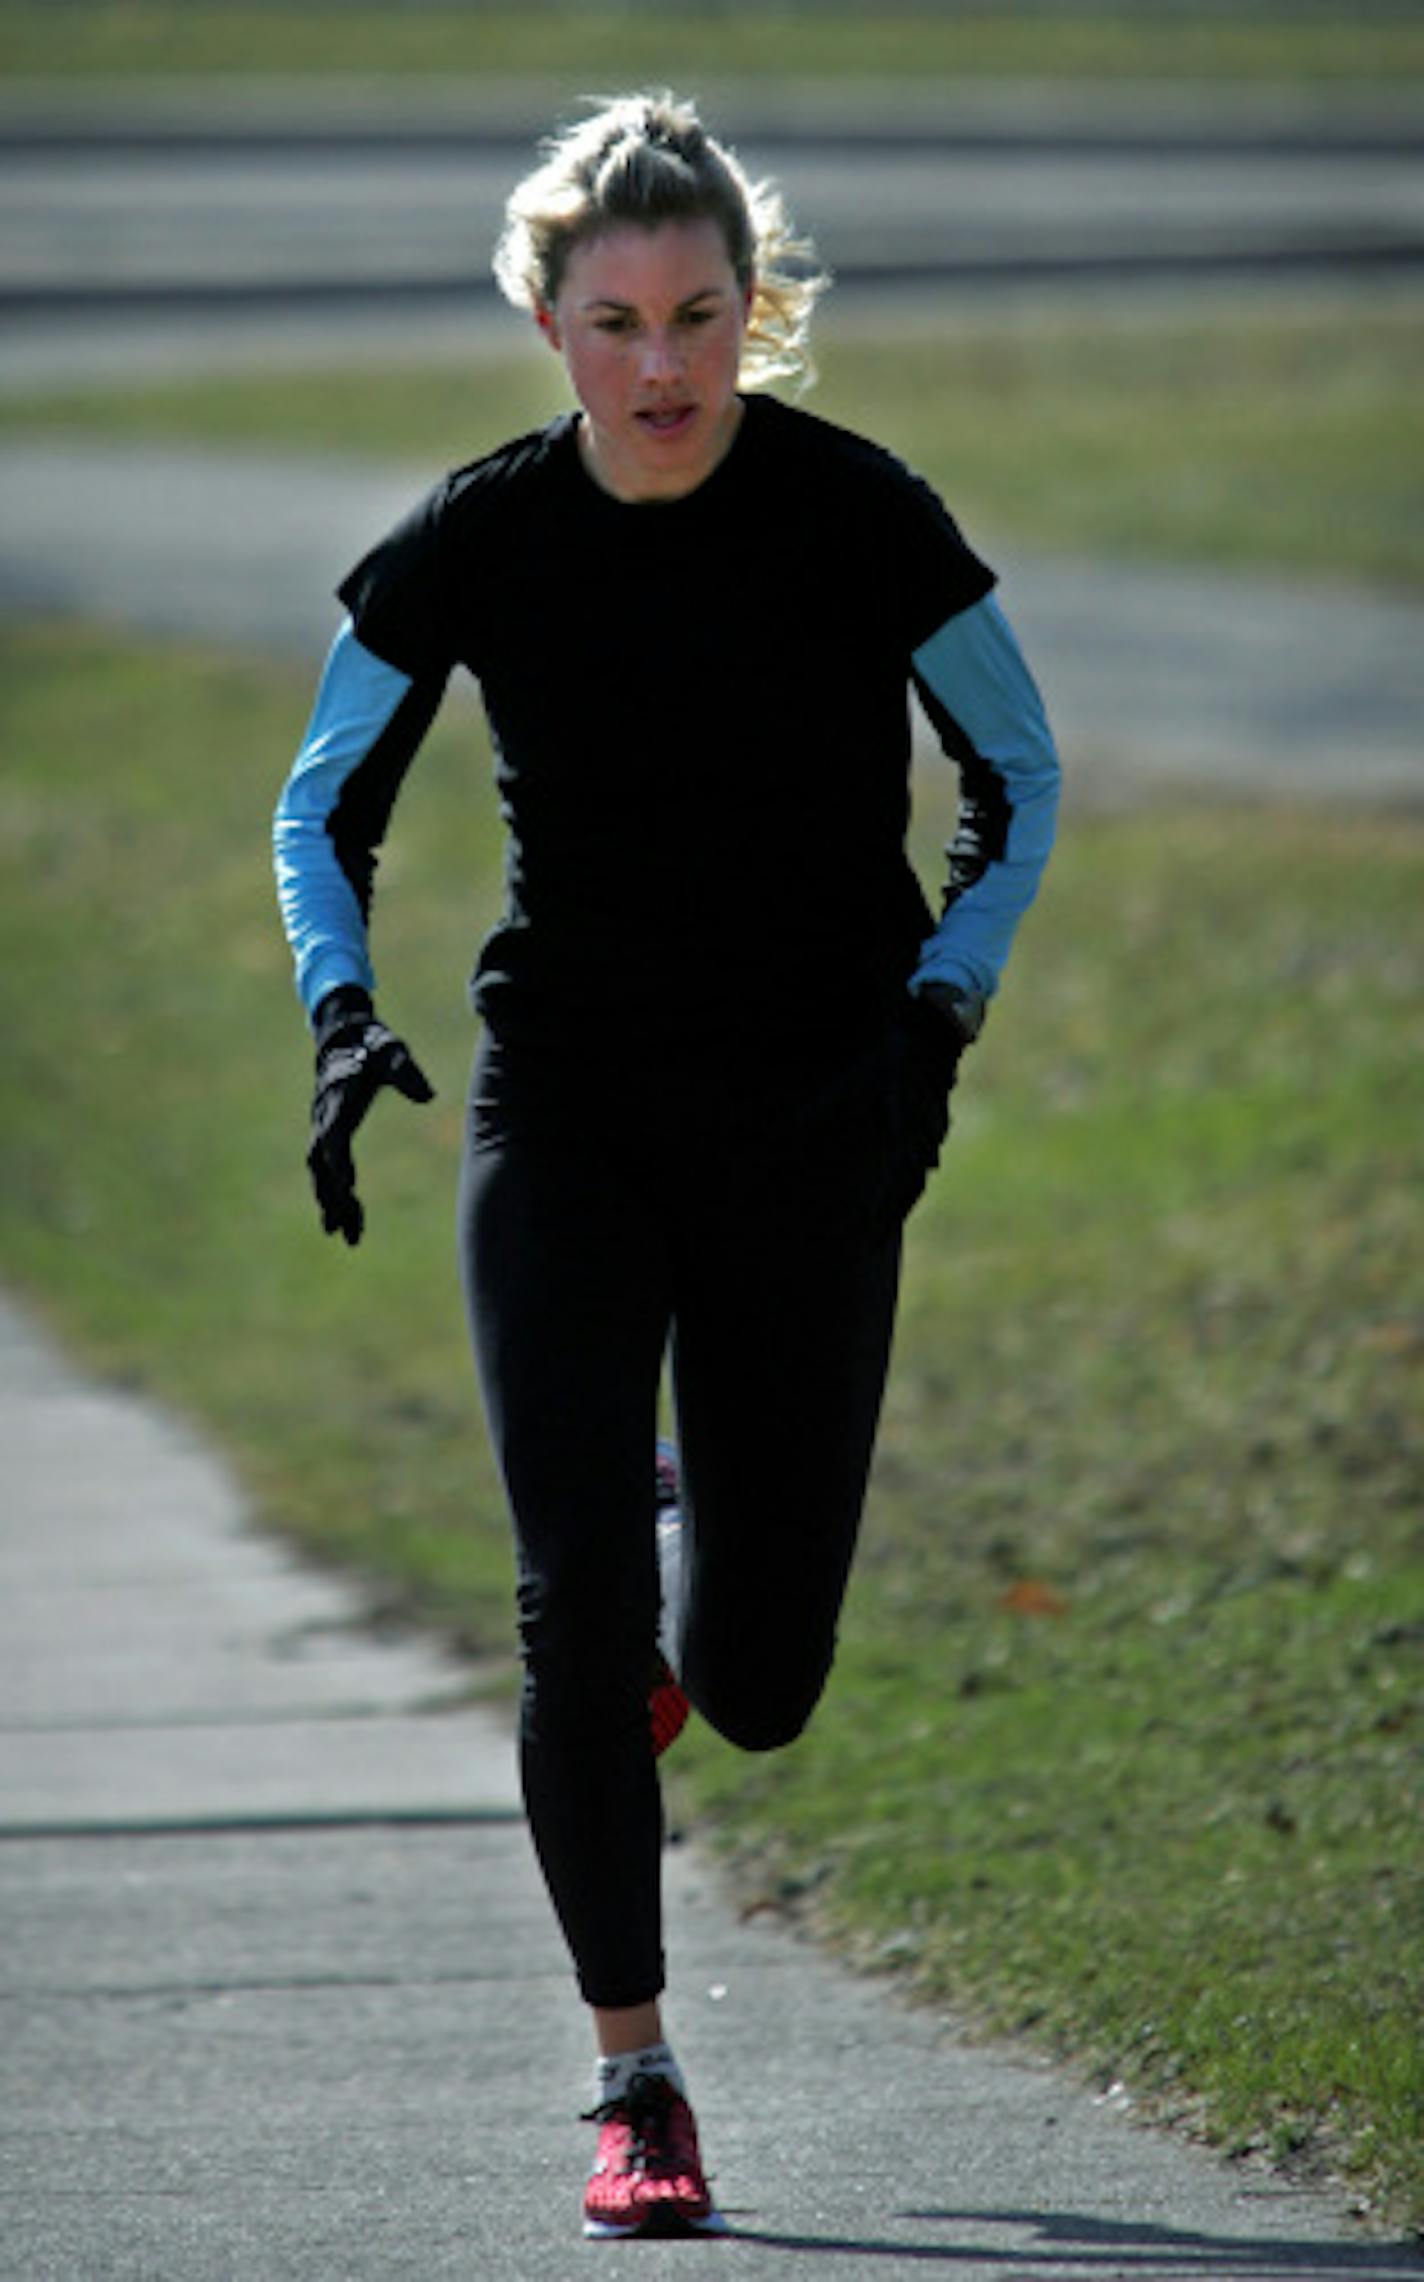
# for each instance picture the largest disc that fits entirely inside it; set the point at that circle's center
(367, 722)
(985, 706)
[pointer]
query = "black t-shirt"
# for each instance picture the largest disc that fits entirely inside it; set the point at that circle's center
(699, 709)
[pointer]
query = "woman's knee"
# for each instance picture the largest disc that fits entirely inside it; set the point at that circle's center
(583, 1654)
(757, 1714)
(760, 1732)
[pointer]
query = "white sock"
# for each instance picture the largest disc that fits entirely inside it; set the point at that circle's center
(670, 1583)
(613, 2075)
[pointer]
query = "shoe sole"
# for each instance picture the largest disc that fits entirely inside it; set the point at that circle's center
(658, 2225)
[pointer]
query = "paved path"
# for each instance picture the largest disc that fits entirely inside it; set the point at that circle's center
(1154, 675)
(280, 2002)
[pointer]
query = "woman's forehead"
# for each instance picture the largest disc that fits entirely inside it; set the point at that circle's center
(671, 260)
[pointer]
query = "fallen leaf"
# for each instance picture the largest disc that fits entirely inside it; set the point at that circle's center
(1403, 1335)
(1030, 1596)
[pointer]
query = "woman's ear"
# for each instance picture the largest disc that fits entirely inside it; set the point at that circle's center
(548, 324)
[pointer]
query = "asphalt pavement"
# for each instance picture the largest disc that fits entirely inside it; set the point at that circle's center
(280, 2000)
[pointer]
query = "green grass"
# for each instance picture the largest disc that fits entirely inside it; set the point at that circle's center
(158, 1082)
(1291, 441)
(1376, 45)
(1123, 1752)
(1125, 1749)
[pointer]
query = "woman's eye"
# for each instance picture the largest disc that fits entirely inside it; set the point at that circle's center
(625, 325)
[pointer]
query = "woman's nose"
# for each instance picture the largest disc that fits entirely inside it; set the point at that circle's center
(662, 356)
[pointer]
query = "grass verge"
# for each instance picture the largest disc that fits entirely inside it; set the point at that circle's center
(1123, 1754)
(1289, 441)
(1378, 45)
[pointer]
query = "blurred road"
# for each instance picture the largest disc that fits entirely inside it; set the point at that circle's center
(1155, 676)
(236, 206)
(165, 227)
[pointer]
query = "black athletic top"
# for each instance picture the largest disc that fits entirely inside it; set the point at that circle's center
(699, 708)
(700, 711)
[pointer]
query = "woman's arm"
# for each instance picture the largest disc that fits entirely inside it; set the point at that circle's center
(982, 699)
(365, 729)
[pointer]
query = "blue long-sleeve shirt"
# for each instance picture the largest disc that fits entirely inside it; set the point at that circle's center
(985, 705)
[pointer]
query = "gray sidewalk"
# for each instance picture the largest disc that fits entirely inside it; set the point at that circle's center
(279, 1997)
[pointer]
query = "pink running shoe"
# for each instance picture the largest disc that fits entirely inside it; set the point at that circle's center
(648, 2178)
(668, 1707)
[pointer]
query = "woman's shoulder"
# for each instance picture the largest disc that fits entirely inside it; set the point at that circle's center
(880, 510)
(479, 485)
(830, 452)
(457, 520)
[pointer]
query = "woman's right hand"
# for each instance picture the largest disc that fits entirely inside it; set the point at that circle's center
(355, 1057)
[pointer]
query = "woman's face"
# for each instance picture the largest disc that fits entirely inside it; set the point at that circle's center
(650, 324)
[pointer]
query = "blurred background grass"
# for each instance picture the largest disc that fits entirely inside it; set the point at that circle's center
(1123, 1754)
(1282, 438)
(1265, 41)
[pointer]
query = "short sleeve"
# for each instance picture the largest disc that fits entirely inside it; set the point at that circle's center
(398, 595)
(937, 572)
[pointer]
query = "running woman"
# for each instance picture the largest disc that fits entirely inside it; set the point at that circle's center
(719, 1023)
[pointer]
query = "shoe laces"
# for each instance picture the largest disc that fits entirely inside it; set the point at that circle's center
(649, 2108)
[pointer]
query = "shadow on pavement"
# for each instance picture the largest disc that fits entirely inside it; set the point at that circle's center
(1067, 2243)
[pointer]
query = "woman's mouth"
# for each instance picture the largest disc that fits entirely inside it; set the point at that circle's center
(667, 420)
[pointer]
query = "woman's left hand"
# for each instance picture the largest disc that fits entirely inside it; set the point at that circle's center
(928, 1045)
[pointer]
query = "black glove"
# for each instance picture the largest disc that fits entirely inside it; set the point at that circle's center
(355, 1056)
(932, 1033)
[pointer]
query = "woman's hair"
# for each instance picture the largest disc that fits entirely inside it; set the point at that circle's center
(647, 159)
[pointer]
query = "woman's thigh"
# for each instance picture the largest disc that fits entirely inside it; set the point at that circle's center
(784, 1321)
(565, 1271)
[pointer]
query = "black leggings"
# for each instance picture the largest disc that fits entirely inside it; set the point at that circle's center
(615, 1201)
